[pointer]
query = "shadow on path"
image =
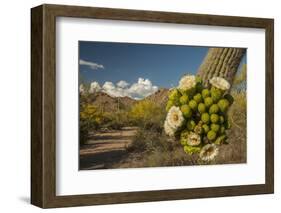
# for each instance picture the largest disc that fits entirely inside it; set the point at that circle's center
(102, 160)
(106, 148)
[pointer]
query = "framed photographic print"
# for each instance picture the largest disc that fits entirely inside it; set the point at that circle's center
(137, 106)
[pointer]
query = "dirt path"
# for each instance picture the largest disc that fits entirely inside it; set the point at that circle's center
(105, 148)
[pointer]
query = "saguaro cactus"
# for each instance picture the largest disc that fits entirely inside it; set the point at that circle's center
(222, 62)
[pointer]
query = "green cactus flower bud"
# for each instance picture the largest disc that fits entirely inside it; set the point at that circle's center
(216, 94)
(198, 98)
(184, 99)
(184, 137)
(211, 135)
(215, 127)
(169, 105)
(214, 118)
(229, 98)
(191, 149)
(221, 139)
(222, 130)
(223, 105)
(205, 118)
(214, 89)
(214, 109)
(193, 104)
(221, 119)
(186, 111)
(190, 92)
(208, 101)
(174, 95)
(206, 128)
(190, 125)
(201, 108)
(205, 93)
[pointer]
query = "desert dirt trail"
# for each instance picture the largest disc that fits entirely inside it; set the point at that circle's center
(104, 148)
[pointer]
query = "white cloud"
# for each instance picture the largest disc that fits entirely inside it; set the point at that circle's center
(114, 91)
(94, 87)
(82, 89)
(139, 90)
(108, 86)
(122, 84)
(142, 89)
(91, 64)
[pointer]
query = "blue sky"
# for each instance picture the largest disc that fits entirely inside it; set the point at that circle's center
(161, 65)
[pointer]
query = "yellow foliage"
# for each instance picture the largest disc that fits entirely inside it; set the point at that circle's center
(91, 113)
(146, 111)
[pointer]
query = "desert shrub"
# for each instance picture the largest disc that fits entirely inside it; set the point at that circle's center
(149, 140)
(147, 114)
(158, 150)
(240, 79)
(90, 119)
(175, 157)
(240, 98)
(238, 111)
(116, 120)
(241, 76)
(83, 132)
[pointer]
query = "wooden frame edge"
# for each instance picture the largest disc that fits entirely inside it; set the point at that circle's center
(269, 118)
(36, 106)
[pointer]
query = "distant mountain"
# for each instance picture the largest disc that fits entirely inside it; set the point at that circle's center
(108, 103)
(160, 97)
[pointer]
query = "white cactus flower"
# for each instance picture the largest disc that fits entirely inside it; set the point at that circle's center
(209, 152)
(175, 117)
(187, 82)
(220, 83)
(168, 129)
(193, 139)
